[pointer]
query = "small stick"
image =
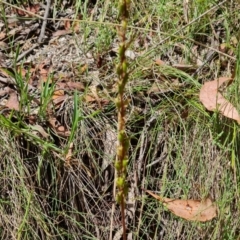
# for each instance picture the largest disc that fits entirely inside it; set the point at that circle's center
(21, 56)
(44, 24)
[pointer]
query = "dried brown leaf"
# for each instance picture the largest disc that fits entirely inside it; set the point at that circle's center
(64, 133)
(57, 94)
(70, 85)
(2, 35)
(34, 8)
(40, 130)
(58, 128)
(5, 91)
(27, 10)
(22, 69)
(192, 210)
(2, 46)
(43, 71)
(20, 12)
(213, 100)
(61, 33)
(72, 26)
(75, 86)
(69, 155)
(84, 68)
(160, 62)
(67, 25)
(13, 102)
(59, 100)
(89, 98)
(15, 30)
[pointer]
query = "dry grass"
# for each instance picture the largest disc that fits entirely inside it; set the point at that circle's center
(177, 148)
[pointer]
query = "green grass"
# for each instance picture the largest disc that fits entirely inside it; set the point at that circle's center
(178, 149)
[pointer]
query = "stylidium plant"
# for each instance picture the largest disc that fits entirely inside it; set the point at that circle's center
(121, 162)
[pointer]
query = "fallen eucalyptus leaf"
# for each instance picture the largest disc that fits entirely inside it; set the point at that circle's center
(192, 210)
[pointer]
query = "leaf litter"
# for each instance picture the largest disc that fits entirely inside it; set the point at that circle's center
(213, 100)
(192, 210)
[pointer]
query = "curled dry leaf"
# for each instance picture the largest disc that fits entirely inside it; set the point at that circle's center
(59, 100)
(39, 129)
(89, 99)
(61, 33)
(3, 46)
(160, 62)
(33, 8)
(58, 128)
(44, 69)
(5, 91)
(72, 26)
(69, 155)
(2, 35)
(212, 99)
(192, 210)
(84, 68)
(57, 94)
(14, 31)
(179, 66)
(70, 86)
(75, 85)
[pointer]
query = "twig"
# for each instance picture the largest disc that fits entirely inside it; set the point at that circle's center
(44, 23)
(21, 56)
(157, 160)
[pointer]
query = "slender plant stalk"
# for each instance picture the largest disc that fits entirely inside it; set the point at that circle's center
(121, 103)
